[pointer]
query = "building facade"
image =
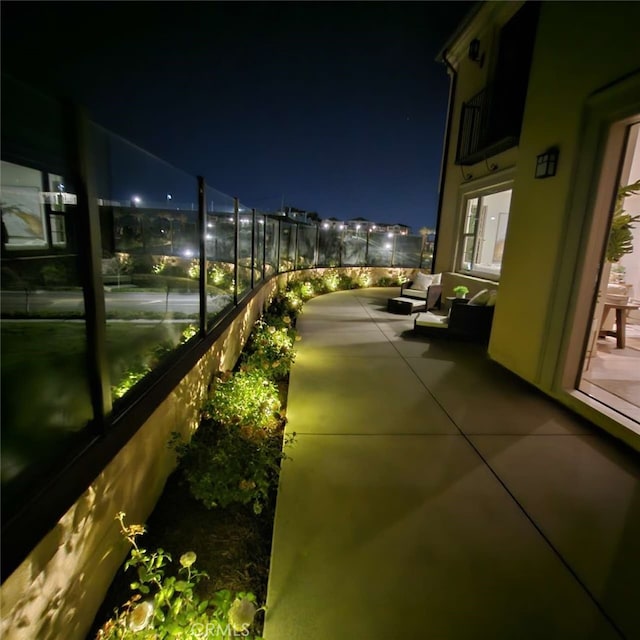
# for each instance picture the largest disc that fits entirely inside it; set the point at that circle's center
(541, 135)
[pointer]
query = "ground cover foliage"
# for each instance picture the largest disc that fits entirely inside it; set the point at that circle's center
(217, 510)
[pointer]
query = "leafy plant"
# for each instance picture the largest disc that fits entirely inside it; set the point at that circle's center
(270, 348)
(226, 465)
(168, 606)
(246, 398)
(621, 235)
(332, 280)
(130, 378)
(461, 290)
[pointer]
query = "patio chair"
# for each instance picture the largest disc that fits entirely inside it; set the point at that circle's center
(466, 320)
(420, 295)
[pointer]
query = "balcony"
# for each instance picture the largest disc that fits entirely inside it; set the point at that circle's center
(432, 491)
(490, 123)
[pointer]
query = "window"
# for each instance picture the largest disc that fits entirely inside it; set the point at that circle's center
(484, 231)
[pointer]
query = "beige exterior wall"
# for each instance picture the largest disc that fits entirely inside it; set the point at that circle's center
(581, 49)
(471, 79)
(576, 54)
(56, 592)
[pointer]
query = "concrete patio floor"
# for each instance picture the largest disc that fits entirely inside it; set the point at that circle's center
(433, 495)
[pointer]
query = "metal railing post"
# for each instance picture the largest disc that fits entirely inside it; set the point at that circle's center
(202, 230)
(236, 222)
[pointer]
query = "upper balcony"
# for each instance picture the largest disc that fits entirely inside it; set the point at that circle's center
(491, 120)
(488, 126)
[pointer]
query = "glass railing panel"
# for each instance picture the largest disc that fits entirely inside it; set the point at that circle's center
(271, 246)
(329, 246)
(380, 250)
(258, 247)
(220, 254)
(287, 246)
(307, 239)
(245, 249)
(354, 247)
(407, 251)
(46, 401)
(150, 265)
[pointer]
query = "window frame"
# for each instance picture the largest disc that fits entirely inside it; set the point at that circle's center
(479, 193)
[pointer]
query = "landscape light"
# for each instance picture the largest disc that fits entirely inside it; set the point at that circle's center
(187, 253)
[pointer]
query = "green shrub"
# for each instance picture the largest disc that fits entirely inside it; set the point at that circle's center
(270, 348)
(285, 304)
(346, 282)
(226, 465)
(246, 398)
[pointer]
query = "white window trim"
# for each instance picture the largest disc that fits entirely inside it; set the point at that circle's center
(494, 183)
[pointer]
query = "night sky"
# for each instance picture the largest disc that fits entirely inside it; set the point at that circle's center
(334, 107)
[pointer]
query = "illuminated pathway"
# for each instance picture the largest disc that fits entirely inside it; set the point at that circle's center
(434, 496)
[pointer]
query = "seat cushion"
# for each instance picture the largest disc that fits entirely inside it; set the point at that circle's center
(480, 299)
(422, 282)
(429, 319)
(415, 293)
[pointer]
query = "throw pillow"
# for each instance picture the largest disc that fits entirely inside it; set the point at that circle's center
(437, 278)
(480, 299)
(422, 282)
(493, 294)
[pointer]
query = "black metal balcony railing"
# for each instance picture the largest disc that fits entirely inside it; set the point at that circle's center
(490, 122)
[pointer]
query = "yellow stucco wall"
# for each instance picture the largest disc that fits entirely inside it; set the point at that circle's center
(580, 48)
(56, 592)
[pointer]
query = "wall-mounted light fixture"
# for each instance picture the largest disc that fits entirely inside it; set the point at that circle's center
(474, 52)
(547, 163)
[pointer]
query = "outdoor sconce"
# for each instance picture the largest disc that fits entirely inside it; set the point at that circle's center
(547, 163)
(474, 52)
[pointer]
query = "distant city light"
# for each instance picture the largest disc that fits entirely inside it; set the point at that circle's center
(325, 225)
(136, 200)
(187, 253)
(209, 236)
(169, 196)
(387, 246)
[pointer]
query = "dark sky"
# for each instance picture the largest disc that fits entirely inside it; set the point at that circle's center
(336, 107)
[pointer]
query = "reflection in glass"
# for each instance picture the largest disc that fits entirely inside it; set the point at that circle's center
(245, 249)
(380, 253)
(258, 247)
(407, 251)
(271, 246)
(329, 246)
(220, 254)
(307, 238)
(150, 266)
(354, 247)
(287, 246)
(45, 394)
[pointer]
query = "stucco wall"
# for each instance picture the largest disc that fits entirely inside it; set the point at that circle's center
(576, 54)
(56, 592)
